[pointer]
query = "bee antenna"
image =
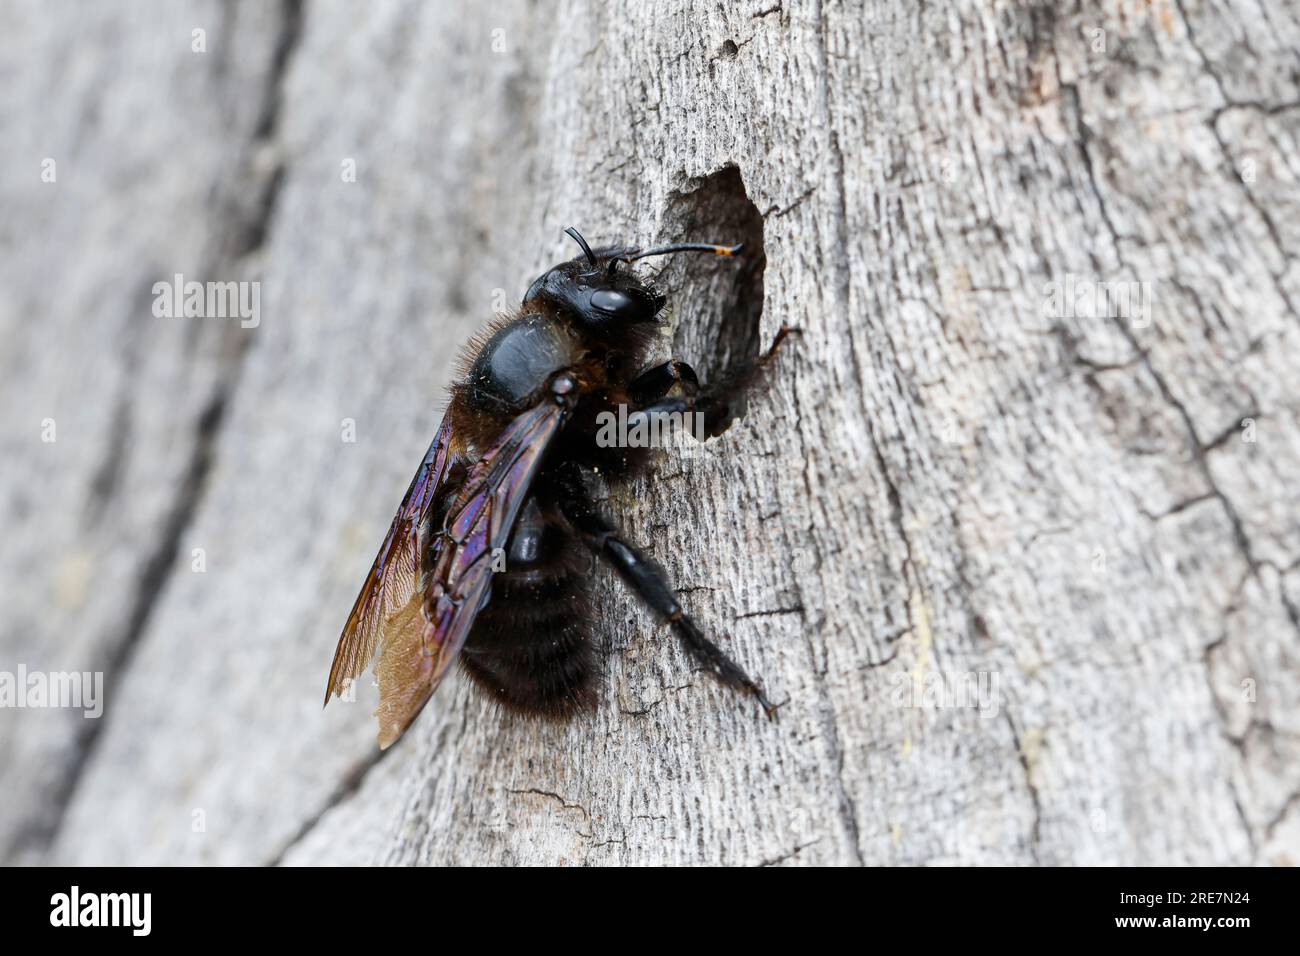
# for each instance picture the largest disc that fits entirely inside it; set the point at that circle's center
(716, 250)
(577, 237)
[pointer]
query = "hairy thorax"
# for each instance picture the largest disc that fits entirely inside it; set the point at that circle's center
(511, 363)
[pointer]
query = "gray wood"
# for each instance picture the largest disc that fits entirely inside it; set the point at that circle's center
(945, 480)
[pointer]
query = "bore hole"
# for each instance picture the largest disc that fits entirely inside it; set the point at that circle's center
(716, 303)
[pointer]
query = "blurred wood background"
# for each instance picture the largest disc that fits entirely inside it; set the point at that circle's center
(948, 481)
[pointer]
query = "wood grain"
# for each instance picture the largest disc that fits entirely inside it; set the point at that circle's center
(948, 485)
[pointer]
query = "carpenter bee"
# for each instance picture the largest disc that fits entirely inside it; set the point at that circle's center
(507, 477)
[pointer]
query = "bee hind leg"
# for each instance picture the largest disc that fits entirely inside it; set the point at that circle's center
(650, 583)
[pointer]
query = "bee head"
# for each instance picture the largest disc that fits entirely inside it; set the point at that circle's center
(600, 295)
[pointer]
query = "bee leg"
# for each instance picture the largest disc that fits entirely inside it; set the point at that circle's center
(714, 402)
(654, 383)
(715, 414)
(649, 581)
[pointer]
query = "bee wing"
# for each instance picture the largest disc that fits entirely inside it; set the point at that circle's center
(393, 578)
(458, 582)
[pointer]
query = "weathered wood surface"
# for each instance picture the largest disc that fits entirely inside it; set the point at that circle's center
(945, 478)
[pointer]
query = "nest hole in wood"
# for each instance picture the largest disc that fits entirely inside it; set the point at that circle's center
(717, 303)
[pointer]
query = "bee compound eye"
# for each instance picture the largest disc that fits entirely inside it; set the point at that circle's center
(612, 301)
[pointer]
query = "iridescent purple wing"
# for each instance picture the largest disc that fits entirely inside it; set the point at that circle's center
(458, 582)
(395, 575)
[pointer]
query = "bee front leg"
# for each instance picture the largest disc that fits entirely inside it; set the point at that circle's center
(714, 402)
(654, 383)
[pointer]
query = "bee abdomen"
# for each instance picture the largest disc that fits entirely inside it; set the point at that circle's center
(530, 647)
(554, 677)
(542, 665)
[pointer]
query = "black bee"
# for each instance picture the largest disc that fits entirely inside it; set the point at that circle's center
(506, 478)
